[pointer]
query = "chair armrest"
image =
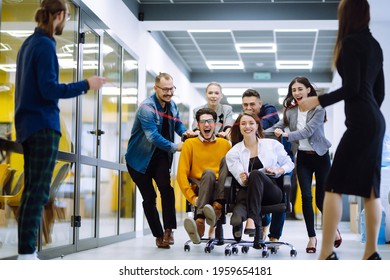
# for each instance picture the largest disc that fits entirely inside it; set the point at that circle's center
(286, 190)
(286, 183)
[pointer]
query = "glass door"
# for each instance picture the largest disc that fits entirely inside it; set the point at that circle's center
(89, 136)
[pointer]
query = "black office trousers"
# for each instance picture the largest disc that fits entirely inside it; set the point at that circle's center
(261, 190)
(159, 171)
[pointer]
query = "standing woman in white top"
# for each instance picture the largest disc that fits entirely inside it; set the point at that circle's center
(309, 143)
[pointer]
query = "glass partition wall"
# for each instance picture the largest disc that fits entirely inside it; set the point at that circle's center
(92, 197)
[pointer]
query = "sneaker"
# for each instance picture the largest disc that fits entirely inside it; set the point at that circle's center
(28, 257)
(191, 228)
(168, 236)
(209, 213)
(161, 244)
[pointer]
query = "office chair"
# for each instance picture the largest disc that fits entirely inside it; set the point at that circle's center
(209, 242)
(284, 206)
(60, 172)
(219, 236)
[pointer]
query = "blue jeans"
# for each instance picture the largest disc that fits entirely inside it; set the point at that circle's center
(307, 165)
(277, 223)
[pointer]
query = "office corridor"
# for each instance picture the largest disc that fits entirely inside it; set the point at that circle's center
(144, 248)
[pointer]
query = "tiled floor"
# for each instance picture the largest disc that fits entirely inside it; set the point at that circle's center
(144, 248)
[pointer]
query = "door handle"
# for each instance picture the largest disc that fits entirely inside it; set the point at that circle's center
(98, 132)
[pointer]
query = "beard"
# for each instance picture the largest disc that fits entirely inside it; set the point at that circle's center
(60, 27)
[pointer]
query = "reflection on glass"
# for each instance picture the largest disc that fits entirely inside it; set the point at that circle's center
(108, 220)
(126, 204)
(110, 99)
(87, 201)
(129, 100)
(90, 100)
(67, 57)
(58, 211)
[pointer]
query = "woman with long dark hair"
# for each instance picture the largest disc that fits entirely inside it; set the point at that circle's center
(255, 162)
(356, 167)
(306, 133)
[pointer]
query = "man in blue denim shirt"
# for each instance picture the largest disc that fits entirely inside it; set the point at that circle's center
(149, 156)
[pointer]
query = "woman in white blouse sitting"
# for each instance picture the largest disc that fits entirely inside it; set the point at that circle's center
(255, 162)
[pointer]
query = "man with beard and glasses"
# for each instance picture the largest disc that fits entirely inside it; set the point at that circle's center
(200, 175)
(149, 156)
(37, 116)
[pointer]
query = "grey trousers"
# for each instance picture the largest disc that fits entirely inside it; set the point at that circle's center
(209, 189)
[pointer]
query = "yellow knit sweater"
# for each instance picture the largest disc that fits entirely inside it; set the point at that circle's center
(197, 156)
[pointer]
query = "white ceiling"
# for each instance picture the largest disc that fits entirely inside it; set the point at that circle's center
(301, 30)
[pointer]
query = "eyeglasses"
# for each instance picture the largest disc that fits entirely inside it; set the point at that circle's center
(166, 90)
(209, 121)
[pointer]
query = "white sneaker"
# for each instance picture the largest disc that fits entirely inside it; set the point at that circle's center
(192, 231)
(209, 213)
(28, 257)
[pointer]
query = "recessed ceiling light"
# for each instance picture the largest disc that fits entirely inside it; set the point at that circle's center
(255, 47)
(294, 64)
(18, 33)
(5, 47)
(8, 67)
(296, 30)
(282, 91)
(225, 64)
(209, 30)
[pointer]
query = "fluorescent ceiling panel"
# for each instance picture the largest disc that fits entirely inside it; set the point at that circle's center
(208, 30)
(225, 64)
(255, 47)
(294, 64)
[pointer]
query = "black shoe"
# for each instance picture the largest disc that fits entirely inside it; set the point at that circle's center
(237, 232)
(332, 257)
(374, 256)
(258, 243)
(250, 231)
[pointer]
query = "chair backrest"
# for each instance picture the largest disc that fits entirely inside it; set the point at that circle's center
(284, 182)
(61, 170)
